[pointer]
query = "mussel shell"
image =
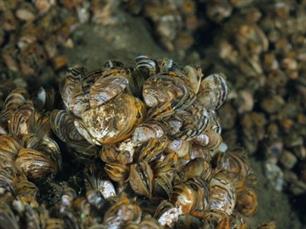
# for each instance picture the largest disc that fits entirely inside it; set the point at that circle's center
(123, 211)
(209, 139)
(26, 191)
(167, 88)
(198, 167)
(213, 91)
(148, 130)
(141, 178)
(109, 85)
(146, 65)
(184, 197)
(15, 99)
(180, 147)
(19, 122)
(236, 167)
(117, 172)
(247, 202)
(9, 148)
(222, 194)
(7, 216)
(7, 176)
(167, 214)
(112, 122)
(62, 124)
(35, 164)
(72, 91)
(152, 149)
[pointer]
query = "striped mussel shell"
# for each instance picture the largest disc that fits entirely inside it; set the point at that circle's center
(62, 124)
(210, 138)
(35, 164)
(146, 65)
(95, 181)
(26, 191)
(236, 166)
(164, 170)
(16, 98)
(189, 123)
(72, 91)
(117, 172)
(198, 167)
(166, 92)
(141, 178)
(122, 206)
(9, 148)
(40, 157)
(20, 121)
(180, 147)
(213, 91)
(222, 193)
(7, 176)
(152, 150)
(191, 196)
(97, 188)
(108, 85)
(167, 214)
(193, 77)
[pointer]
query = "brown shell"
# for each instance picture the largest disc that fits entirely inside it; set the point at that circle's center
(209, 139)
(148, 130)
(112, 122)
(15, 99)
(236, 167)
(164, 171)
(222, 194)
(166, 92)
(247, 202)
(213, 91)
(198, 167)
(123, 211)
(141, 179)
(117, 172)
(180, 147)
(152, 149)
(72, 91)
(7, 176)
(62, 124)
(111, 83)
(35, 164)
(191, 196)
(193, 121)
(26, 191)
(184, 197)
(9, 148)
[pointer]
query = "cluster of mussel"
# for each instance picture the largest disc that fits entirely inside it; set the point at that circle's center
(266, 46)
(149, 142)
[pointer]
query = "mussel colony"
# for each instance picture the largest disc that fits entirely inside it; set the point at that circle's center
(259, 45)
(149, 143)
(265, 45)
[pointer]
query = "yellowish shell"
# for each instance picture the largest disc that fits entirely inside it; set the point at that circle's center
(141, 178)
(35, 164)
(213, 91)
(222, 194)
(112, 122)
